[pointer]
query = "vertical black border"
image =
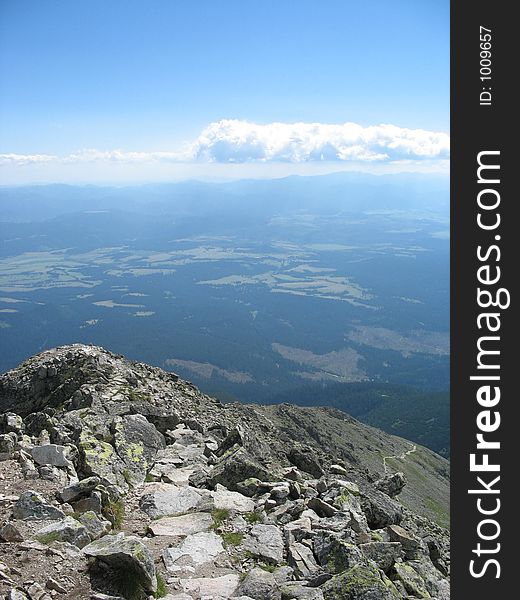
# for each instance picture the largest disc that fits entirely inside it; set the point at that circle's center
(476, 128)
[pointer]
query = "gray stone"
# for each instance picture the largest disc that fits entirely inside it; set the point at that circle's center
(392, 485)
(265, 541)
(304, 459)
(194, 551)
(95, 525)
(170, 500)
(51, 455)
(126, 555)
(298, 591)
(211, 587)
(68, 530)
(33, 506)
(322, 508)
(297, 530)
(10, 533)
(79, 490)
(380, 510)
(359, 583)
(260, 585)
(409, 543)
(136, 442)
(182, 525)
(8, 443)
(232, 501)
(236, 467)
(384, 554)
(301, 558)
(17, 595)
(92, 503)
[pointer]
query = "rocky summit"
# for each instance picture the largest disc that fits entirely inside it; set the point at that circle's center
(122, 481)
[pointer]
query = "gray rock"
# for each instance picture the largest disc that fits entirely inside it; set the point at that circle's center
(232, 501)
(260, 585)
(128, 556)
(79, 490)
(8, 443)
(301, 559)
(236, 467)
(11, 422)
(304, 459)
(297, 530)
(10, 533)
(297, 591)
(412, 582)
(182, 525)
(68, 530)
(136, 442)
(409, 543)
(170, 500)
(33, 506)
(384, 554)
(322, 508)
(336, 554)
(222, 587)
(380, 510)
(95, 525)
(359, 583)
(93, 503)
(17, 595)
(51, 455)
(193, 552)
(36, 592)
(265, 541)
(392, 485)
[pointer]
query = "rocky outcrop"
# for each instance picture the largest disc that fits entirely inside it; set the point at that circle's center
(123, 481)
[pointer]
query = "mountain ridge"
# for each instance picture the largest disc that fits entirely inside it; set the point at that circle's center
(132, 432)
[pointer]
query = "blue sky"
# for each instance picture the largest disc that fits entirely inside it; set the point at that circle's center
(151, 76)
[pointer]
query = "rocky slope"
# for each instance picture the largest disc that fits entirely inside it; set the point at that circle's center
(120, 480)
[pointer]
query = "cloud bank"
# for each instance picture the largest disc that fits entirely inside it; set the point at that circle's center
(242, 141)
(232, 141)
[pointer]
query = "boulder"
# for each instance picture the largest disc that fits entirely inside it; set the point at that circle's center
(136, 442)
(259, 585)
(182, 525)
(170, 500)
(236, 467)
(67, 530)
(304, 459)
(51, 455)
(33, 506)
(232, 501)
(95, 525)
(392, 485)
(411, 545)
(265, 541)
(126, 556)
(79, 490)
(413, 583)
(380, 510)
(359, 583)
(8, 443)
(297, 591)
(193, 552)
(222, 587)
(301, 558)
(384, 554)
(10, 533)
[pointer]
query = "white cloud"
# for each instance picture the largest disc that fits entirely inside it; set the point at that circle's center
(26, 159)
(241, 141)
(230, 141)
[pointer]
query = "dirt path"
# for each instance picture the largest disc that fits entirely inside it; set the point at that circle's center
(400, 456)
